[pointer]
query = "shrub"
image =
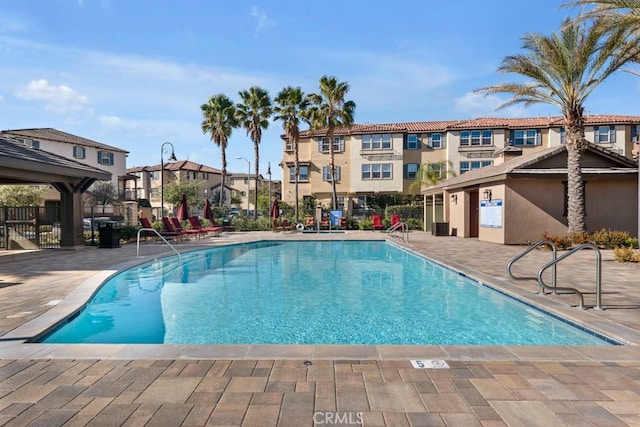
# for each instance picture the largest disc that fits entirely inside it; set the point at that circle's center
(626, 254)
(631, 241)
(580, 238)
(365, 223)
(561, 242)
(609, 239)
(128, 232)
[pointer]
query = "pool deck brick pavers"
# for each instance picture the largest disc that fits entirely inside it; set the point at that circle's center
(78, 385)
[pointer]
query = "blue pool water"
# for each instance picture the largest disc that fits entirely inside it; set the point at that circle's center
(320, 292)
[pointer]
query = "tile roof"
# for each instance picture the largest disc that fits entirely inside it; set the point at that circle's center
(477, 123)
(517, 164)
(50, 134)
(13, 152)
(177, 165)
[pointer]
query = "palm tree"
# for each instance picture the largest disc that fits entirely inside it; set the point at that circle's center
(291, 106)
(614, 14)
(564, 69)
(219, 119)
(431, 173)
(329, 111)
(253, 114)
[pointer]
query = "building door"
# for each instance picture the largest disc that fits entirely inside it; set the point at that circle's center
(474, 214)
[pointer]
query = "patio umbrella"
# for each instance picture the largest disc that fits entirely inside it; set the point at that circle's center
(183, 208)
(275, 210)
(208, 213)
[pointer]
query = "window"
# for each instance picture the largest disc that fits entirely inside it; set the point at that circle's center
(435, 140)
(304, 174)
(413, 141)
(338, 144)
(205, 175)
(604, 134)
(33, 143)
(288, 146)
(154, 193)
(326, 173)
(527, 137)
(376, 171)
(154, 174)
(411, 170)
(439, 169)
(79, 152)
(563, 136)
(468, 166)
(105, 158)
(376, 142)
(192, 175)
(635, 133)
(476, 137)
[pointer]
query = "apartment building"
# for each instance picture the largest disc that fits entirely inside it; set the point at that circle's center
(243, 187)
(151, 179)
(384, 158)
(91, 153)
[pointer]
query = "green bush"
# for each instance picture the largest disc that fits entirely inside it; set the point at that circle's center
(128, 232)
(365, 223)
(631, 241)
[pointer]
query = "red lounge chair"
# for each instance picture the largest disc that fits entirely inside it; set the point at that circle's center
(395, 218)
(284, 225)
(196, 225)
(376, 222)
(173, 225)
(166, 234)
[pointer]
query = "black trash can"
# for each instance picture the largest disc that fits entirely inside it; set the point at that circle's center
(109, 234)
(440, 229)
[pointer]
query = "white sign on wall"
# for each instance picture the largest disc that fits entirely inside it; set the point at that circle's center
(491, 213)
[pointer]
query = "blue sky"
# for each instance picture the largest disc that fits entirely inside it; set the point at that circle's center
(133, 74)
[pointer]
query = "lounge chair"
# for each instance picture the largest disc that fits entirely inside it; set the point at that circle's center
(310, 223)
(395, 218)
(196, 225)
(284, 225)
(376, 222)
(324, 223)
(166, 234)
(177, 226)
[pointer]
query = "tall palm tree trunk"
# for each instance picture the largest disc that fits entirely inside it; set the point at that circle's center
(296, 167)
(255, 187)
(223, 154)
(576, 145)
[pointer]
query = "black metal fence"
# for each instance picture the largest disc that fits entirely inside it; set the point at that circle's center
(29, 227)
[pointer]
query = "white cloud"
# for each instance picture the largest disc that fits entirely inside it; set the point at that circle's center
(262, 20)
(478, 105)
(59, 99)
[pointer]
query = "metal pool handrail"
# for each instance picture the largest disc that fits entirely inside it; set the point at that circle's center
(522, 254)
(159, 235)
(403, 227)
(552, 263)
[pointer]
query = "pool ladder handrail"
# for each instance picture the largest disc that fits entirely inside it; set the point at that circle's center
(525, 252)
(404, 230)
(159, 235)
(553, 263)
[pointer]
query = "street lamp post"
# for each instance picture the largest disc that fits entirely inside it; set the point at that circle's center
(172, 157)
(248, 181)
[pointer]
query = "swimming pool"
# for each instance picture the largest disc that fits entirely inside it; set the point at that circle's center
(315, 292)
